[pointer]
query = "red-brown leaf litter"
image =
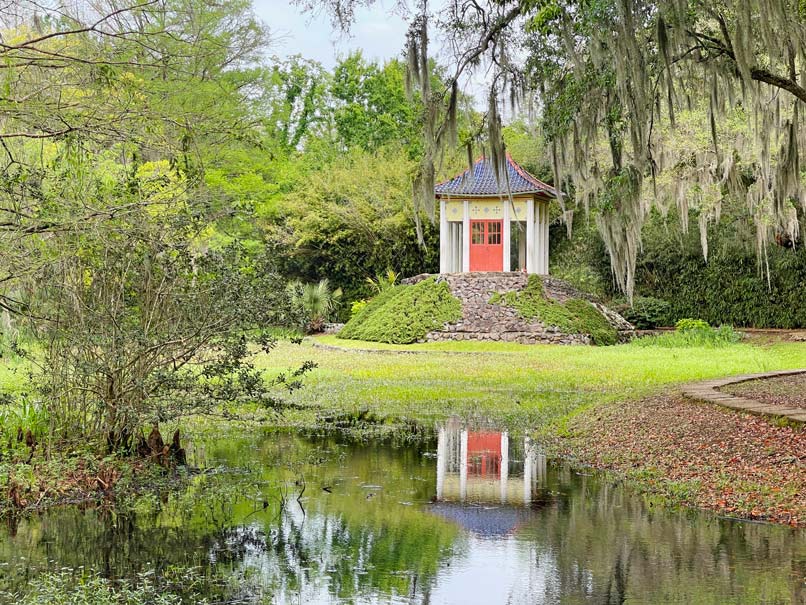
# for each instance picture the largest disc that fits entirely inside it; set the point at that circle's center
(699, 454)
(784, 390)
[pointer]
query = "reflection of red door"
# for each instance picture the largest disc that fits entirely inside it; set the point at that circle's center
(486, 245)
(483, 454)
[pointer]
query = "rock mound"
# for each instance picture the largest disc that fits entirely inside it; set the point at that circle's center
(487, 316)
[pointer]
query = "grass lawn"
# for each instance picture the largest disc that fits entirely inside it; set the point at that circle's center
(613, 408)
(524, 386)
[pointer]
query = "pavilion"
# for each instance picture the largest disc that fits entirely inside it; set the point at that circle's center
(486, 226)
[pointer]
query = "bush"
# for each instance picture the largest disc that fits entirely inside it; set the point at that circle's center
(352, 219)
(357, 306)
(693, 333)
(687, 325)
(647, 313)
(575, 316)
(65, 589)
(404, 314)
(729, 288)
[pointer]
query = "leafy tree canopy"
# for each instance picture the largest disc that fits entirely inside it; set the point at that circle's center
(612, 78)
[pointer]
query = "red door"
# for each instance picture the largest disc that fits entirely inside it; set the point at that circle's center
(486, 245)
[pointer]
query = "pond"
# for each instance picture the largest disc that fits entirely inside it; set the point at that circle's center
(475, 516)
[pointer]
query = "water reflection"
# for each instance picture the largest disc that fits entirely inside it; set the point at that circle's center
(484, 465)
(477, 517)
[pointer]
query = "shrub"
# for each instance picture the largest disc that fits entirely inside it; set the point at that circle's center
(356, 307)
(316, 302)
(687, 325)
(729, 288)
(575, 316)
(404, 314)
(65, 589)
(647, 312)
(695, 333)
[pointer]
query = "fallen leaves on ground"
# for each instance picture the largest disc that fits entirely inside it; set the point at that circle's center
(782, 390)
(699, 454)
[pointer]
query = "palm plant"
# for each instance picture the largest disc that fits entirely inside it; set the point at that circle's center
(383, 281)
(319, 302)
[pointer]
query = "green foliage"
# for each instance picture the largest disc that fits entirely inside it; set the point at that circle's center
(404, 314)
(575, 316)
(351, 220)
(357, 306)
(688, 324)
(63, 588)
(317, 302)
(383, 281)
(647, 312)
(729, 288)
(582, 259)
(693, 333)
(296, 93)
(371, 105)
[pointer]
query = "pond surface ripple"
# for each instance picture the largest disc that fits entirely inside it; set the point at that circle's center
(479, 517)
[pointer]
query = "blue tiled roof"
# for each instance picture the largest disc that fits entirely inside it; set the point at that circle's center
(484, 183)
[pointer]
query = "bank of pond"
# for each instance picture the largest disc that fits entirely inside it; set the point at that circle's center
(468, 514)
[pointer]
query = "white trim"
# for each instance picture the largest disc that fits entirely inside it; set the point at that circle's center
(505, 238)
(463, 465)
(528, 470)
(444, 243)
(442, 459)
(543, 261)
(466, 238)
(530, 236)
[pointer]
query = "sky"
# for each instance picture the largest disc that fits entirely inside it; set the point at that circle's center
(378, 32)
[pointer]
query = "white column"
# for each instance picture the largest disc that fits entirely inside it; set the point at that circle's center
(504, 465)
(505, 237)
(544, 237)
(442, 459)
(456, 255)
(530, 236)
(463, 466)
(466, 237)
(444, 240)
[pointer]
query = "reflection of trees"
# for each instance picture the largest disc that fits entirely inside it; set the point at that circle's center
(361, 539)
(611, 548)
(581, 540)
(397, 554)
(358, 545)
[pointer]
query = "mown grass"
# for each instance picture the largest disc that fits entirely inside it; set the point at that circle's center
(522, 385)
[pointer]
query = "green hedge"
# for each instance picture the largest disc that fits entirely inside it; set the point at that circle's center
(729, 288)
(673, 280)
(404, 314)
(575, 316)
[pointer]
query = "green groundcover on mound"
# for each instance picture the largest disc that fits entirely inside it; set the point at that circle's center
(575, 316)
(404, 314)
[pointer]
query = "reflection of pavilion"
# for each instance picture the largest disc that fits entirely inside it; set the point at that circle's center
(486, 466)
